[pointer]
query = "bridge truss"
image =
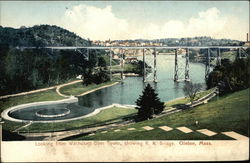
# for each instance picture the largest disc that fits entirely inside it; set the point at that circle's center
(181, 68)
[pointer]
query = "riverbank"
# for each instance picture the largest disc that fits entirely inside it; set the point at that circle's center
(224, 114)
(79, 89)
(185, 100)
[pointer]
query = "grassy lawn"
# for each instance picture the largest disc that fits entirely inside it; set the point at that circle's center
(228, 113)
(109, 115)
(128, 67)
(107, 60)
(229, 55)
(11, 126)
(49, 95)
(187, 100)
(79, 88)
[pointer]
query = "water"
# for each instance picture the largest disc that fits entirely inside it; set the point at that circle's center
(128, 91)
(30, 113)
(122, 93)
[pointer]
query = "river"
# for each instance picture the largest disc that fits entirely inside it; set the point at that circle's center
(128, 91)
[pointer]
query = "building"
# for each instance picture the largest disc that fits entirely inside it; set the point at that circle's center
(247, 43)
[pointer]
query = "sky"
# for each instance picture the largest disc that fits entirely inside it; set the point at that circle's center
(117, 20)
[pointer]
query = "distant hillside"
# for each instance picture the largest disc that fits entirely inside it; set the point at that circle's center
(39, 36)
(199, 41)
(189, 41)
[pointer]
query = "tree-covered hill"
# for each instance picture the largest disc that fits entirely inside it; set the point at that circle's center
(39, 36)
(29, 69)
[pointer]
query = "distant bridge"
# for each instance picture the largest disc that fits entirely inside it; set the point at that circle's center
(181, 71)
(134, 47)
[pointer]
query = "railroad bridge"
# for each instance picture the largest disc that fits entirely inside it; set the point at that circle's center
(181, 70)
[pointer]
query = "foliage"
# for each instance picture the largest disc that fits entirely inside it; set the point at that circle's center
(24, 70)
(40, 36)
(230, 76)
(139, 68)
(36, 68)
(191, 89)
(136, 67)
(28, 69)
(98, 74)
(148, 104)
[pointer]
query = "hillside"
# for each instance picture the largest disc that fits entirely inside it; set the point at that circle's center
(188, 41)
(228, 113)
(39, 36)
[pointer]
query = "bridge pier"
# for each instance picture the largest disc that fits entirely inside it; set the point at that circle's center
(239, 53)
(154, 53)
(122, 63)
(187, 66)
(87, 54)
(207, 68)
(110, 64)
(181, 70)
(153, 66)
(218, 57)
(144, 65)
(242, 53)
(176, 65)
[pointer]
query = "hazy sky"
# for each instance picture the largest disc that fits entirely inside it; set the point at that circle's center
(102, 20)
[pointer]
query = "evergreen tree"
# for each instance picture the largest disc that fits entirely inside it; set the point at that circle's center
(148, 104)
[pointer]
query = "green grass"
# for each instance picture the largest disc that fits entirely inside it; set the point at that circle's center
(228, 113)
(107, 60)
(185, 100)
(79, 88)
(11, 126)
(128, 67)
(229, 55)
(109, 115)
(49, 95)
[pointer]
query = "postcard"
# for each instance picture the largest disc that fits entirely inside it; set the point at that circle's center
(124, 81)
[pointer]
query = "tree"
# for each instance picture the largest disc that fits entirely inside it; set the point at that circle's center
(191, 89)
(148, 104)
(102, 62)
(230, 76)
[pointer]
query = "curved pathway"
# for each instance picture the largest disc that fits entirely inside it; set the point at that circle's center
(93, 90)
(41, 90)
(63, 85)
(84, 93)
